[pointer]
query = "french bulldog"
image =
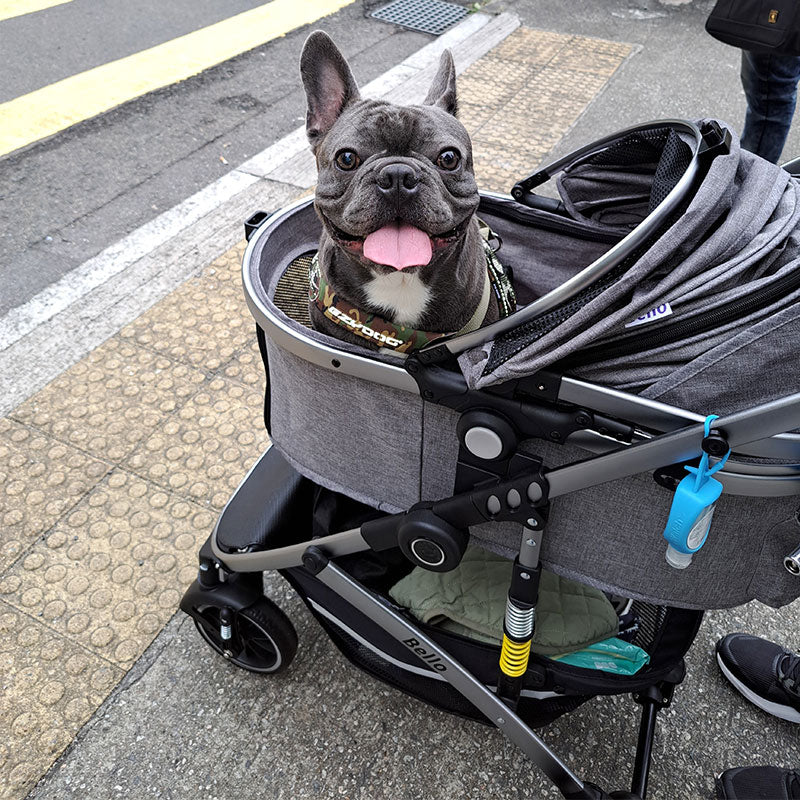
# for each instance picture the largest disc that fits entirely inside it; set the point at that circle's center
(400, 248)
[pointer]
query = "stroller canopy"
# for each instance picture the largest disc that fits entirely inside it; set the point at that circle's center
(719, 282)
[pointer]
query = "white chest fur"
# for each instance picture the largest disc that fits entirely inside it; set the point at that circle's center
(402, 296)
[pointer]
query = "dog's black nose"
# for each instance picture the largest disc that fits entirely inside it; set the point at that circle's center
(398, 180)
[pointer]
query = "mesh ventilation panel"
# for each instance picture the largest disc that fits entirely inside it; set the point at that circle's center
(291, 293)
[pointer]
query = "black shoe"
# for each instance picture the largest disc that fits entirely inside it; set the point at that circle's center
(758, 783)
(764, 673)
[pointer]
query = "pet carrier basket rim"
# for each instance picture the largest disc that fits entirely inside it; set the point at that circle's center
(753, 480)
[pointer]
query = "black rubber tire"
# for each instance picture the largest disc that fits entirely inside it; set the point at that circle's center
(263, 638)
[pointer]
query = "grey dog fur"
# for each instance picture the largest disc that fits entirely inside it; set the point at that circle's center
(383, 133)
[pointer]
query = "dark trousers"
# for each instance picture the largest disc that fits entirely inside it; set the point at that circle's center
(770, 86)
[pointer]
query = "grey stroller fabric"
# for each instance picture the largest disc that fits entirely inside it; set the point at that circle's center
(738, 235)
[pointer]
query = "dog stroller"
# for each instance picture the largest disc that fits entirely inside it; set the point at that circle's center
(659, 289)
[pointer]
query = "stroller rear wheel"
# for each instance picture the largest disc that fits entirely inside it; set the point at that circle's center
(258, 638)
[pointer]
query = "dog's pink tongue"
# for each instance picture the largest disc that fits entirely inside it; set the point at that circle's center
(398, 245)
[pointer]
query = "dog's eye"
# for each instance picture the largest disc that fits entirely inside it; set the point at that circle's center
(347, 160)
(448, 159)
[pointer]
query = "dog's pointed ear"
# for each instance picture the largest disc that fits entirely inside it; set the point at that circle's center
(443, 89)
(329, 84)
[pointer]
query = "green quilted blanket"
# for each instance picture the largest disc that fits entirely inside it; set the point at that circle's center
(471, 600)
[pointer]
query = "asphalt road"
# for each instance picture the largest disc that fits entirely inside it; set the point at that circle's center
(64, 199)
(41, 48)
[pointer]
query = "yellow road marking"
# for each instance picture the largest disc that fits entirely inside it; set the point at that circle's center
(16, 8)
(46, 111)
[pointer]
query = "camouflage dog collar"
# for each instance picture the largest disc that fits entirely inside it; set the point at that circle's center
(400, 338)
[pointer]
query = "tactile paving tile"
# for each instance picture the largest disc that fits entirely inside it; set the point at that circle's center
(112, 573)
(518, 101)
(490, 82)
(40, 478)
(532, 48)
(204, 323)
(112, 399)
(246, 367)
(591, 55)
(205, 449)
(50, 687)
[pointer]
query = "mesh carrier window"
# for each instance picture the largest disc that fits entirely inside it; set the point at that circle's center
(661, 146)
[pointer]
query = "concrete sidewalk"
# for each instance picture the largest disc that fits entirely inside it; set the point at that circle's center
(113, 473)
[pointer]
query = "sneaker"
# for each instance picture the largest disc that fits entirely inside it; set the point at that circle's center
(763, 672)
(758, 783)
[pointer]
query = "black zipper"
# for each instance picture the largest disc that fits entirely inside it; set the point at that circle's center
(684, 329)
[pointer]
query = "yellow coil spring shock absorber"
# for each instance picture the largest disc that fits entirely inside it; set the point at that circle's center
(518, 631)
(514, 657)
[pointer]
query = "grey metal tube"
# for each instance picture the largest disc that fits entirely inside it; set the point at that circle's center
(737, 478)
(337, 544)
(456, 675)
(672, 448)
(662, 417)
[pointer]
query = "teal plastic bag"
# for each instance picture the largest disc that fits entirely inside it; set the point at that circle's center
(610, 655)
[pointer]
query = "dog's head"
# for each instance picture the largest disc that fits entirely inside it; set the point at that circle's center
(396, 190)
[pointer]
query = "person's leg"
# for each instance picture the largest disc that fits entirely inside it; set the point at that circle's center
(768, 676)
(770, 86)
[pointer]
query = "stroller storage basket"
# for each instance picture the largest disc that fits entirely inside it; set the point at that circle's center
(331, 402)
(274, 508)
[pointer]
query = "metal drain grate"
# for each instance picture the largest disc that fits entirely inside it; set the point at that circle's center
(427, 16)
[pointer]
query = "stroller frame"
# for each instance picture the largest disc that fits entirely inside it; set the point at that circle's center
(628, 435)
(220, 568)
(473, 507)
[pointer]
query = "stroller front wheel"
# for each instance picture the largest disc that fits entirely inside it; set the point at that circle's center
(258, 638)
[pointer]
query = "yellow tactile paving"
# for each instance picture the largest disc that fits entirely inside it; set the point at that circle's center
(113, 475)
(531, 48)
(110, 574)
(205, 449)
(204, 322)
(491, 84)
(537, 84)
(593, 56)
(246, 367)
(50, 687)
(112, 399)
(40, 478)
